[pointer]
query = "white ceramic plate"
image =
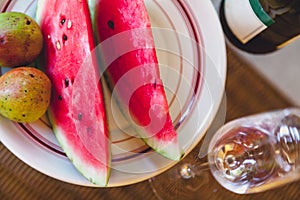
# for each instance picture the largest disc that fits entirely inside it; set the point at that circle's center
(191, 52)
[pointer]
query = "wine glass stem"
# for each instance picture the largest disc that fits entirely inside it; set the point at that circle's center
(199, 169)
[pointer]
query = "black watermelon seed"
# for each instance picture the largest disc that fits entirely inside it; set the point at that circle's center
(65, 38)
(111, 24)
(63, 21)
(67, 82)
(80, 116)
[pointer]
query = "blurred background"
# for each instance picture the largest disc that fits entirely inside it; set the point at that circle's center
(281, 68)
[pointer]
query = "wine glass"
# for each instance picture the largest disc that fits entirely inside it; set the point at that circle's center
(247, 155)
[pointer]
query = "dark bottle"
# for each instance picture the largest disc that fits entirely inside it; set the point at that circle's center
(260, 26)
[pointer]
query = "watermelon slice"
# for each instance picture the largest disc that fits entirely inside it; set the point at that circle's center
(131, 65)
(76, 111)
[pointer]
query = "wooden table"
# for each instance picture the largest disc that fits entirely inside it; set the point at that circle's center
(246, 93)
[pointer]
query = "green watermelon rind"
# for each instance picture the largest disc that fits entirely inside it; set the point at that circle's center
(88, 172)
(171, 151)
(168, 149)
(92, 5)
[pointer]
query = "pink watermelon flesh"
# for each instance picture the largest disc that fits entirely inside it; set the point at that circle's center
(129, 57)
(76, 111)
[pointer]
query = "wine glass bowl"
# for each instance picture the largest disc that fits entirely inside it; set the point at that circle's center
(257, 153)
(243, 155)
